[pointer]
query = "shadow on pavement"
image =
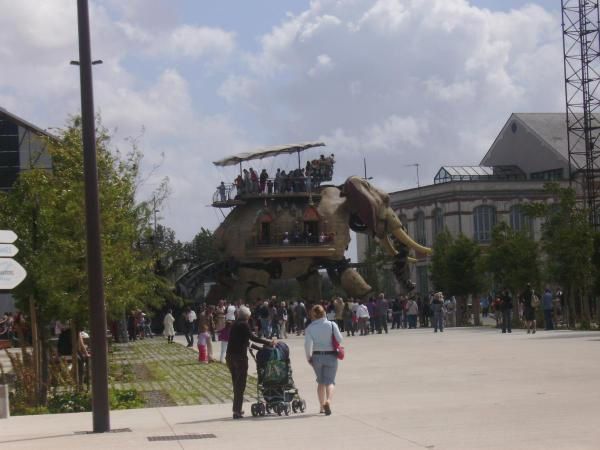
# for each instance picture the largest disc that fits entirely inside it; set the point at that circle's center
(39, 438)
(250, 418)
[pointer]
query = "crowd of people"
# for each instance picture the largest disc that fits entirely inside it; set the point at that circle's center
(273, 318)
(528, 302)
(252, 181)
(138, 325)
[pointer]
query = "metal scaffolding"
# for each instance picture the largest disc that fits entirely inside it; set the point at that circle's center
(581, 47)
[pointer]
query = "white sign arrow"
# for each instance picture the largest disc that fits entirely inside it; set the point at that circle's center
(8, 250)
(7, 236)
(11, 273)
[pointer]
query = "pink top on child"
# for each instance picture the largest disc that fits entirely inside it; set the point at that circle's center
(203, 338)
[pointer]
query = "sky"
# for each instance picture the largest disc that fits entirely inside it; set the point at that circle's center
(392, 83)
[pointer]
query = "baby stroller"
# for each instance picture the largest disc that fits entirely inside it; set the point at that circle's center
(276, 392)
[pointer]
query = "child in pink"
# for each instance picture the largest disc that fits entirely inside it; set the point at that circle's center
(203, 343)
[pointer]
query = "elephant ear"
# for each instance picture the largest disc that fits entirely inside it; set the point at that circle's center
(360, 201)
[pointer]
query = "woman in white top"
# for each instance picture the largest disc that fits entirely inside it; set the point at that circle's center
(321, 355)
(169, 331)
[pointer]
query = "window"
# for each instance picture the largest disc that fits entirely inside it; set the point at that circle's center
(420, 227)
(422, 281)
(437, 222)
(548, 175)
(484, 220)
(519, 221)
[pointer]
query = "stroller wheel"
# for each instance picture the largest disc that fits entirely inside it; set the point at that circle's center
(295, 406)
(279, 408)
(254, 409)
(302, 405)
(262, 409)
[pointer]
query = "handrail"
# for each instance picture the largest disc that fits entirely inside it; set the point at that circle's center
(227, 192)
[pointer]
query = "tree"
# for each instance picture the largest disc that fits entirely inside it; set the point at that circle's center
(46, 209)
(567, 242)
(439, 267)
(512, 258)
(456, 270)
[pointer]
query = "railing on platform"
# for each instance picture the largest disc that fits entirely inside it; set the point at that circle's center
(228, 192)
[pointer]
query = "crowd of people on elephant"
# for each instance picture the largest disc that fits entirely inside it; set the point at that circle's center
(252, 181)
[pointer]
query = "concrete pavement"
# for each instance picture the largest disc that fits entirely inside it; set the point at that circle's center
(466, 388)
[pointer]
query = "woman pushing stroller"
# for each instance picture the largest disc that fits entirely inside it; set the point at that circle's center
(240, 336)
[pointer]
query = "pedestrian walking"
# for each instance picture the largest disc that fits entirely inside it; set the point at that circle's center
(190, 319)
(506, 306)
(321, 355)
(437, 305)
(362, 313)
(450, 311)
(237, 357)
(529, 308)
(169, 330)
(548, 305)
(412, 311)
(347, 318)
(396, 313)
(203, 342)
(224, 339)
(381, 311)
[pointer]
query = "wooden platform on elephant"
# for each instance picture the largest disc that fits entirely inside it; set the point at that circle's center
(291, 251)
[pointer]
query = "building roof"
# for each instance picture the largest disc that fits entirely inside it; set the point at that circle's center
(551, 128)
(4, 114)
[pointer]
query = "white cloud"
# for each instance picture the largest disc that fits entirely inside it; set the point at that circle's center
(397, 82)
(324, 64)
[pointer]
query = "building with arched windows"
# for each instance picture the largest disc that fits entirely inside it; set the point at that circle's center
(530, 150)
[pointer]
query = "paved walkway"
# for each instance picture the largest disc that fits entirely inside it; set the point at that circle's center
(411, 389)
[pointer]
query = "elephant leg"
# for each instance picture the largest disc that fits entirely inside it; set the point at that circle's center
(310, 286)
(251, 284)
(354, 284)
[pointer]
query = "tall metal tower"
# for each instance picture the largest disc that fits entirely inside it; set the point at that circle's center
(581, 47)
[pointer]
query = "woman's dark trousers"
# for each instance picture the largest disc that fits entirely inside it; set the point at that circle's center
(238, 366)
(507, 320)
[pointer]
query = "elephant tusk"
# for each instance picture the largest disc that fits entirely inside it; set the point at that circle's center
(411, 260)
(407, 240)
(387, 245)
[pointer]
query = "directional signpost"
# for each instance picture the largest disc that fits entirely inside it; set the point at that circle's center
(7, 237)
(11, 272)
(11, 275)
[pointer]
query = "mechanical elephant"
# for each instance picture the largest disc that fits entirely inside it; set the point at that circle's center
(294, 236)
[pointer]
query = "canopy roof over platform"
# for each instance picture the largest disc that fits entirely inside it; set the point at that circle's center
(266, 153)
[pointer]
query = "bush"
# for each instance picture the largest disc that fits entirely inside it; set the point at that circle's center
(67, 402)
(125, 399)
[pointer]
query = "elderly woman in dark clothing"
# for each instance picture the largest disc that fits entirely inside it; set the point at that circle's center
(237, 356)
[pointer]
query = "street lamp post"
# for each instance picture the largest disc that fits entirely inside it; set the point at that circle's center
(100, 405)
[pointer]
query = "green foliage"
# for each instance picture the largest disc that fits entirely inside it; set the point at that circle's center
(568, 244)
(456, 265)
(512, 259)
(125, 399)
(46, 209)
(201, 249)
(69, 402)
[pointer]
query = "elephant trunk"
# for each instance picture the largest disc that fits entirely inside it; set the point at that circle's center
(394, 226)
